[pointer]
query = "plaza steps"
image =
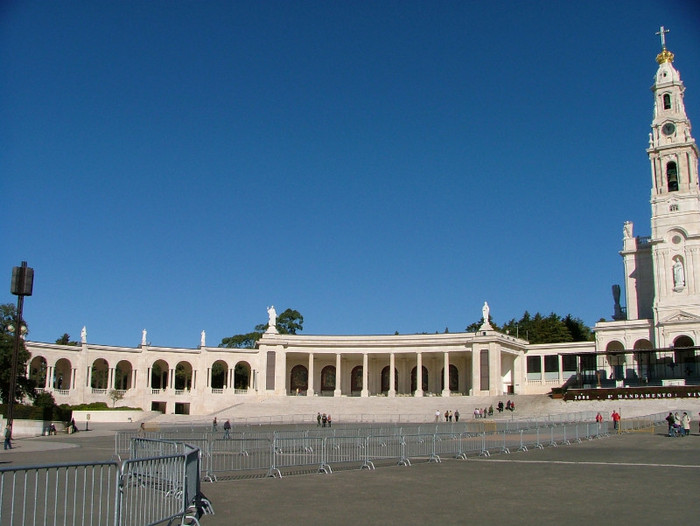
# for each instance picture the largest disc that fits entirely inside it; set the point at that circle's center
(298, 409)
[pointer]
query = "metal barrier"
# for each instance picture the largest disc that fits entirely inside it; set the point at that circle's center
(315, 449)
(141, 491)
(79, 493)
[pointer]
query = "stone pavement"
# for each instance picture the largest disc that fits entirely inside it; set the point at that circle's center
(638, 478)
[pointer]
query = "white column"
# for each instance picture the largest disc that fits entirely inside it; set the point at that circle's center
(542, 381)
(280, 371)
(310, 389)
(560, 364)
(446, 375)
(365, 376)
(419, 375)
(338, 376)
(476, 371)
(392, 379)
(495, 376)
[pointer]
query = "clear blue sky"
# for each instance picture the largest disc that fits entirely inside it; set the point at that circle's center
(378, 166)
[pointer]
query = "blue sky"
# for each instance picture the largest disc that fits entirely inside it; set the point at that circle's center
(378, 166)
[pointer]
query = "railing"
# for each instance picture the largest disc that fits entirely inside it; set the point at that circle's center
(317, 449)
(161, 483)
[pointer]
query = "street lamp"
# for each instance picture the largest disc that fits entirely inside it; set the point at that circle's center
(21, 286)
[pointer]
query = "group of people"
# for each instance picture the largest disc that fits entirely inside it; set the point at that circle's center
(227, 427)
(323, 420)
(448, 416)
(678, 425)
(483, 413)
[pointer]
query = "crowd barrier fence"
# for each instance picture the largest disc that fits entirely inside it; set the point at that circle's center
(160, 483)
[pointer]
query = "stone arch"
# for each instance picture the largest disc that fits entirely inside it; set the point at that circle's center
(299, 379)
(37, 371)
(328, 378)
(645, 360)
(616, 361)
(219, 374)
(99, 374)
(356, 379)
(685, 357)
(183, 376)
(414, 379)
(454, 378)
(667, 101)
(123, 373)
(63, 374)
(241, 376)
(159, 374)
(386, 378)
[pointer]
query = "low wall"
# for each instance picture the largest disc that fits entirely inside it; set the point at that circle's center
(30, 428)
(110, 416)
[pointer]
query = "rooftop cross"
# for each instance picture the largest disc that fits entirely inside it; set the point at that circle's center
(662, 33)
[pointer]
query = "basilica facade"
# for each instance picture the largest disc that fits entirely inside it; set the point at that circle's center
(650, 341)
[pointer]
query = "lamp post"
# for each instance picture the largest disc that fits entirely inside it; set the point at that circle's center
(21, 286)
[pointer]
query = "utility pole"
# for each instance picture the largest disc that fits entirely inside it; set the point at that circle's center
(21, 286)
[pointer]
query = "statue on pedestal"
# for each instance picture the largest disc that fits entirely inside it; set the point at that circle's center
(271, 319)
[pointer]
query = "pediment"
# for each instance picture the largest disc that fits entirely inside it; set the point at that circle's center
(681, 317)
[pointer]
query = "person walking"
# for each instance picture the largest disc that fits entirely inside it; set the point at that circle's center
(8, 436)
(685, 424)
(457, 415)
(227, 429)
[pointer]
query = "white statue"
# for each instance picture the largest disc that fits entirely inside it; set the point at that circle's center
(143, 337)
(485, 326)
(678, 274)
(83, 335)
(203, 339)
(627, 229)
(272, 316)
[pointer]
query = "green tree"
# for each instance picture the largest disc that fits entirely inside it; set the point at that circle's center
(242, 341)
(548, 329)
(288, 322)
(65, 340)
(25, 386)
(115, 396)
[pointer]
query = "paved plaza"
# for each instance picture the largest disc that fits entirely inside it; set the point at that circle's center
(642, 478)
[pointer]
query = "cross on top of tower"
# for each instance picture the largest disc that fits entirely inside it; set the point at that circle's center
(665, 55)
(662, 33)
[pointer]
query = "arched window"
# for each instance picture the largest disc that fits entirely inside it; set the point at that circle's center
(667, 101)
(299, 379)
(219, 374)
(328, 378)
(454, 378)
(386, 379)
(672, 176)
(241, 376)
(356, 379)
(424, 379)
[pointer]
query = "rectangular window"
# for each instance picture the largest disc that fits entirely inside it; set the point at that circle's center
(568, 363)
(551, 367)
(534, 368)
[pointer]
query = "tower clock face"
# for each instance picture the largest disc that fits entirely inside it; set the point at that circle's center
(668, 128)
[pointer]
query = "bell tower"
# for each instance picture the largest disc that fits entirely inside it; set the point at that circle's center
(675, 206)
